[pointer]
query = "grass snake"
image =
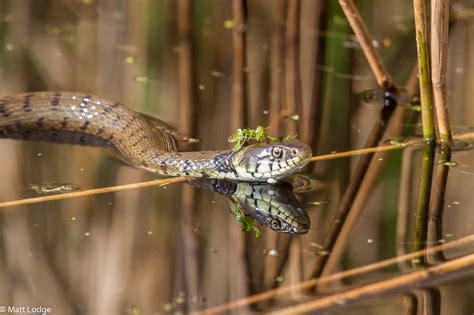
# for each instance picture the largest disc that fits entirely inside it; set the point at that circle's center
(143, 142)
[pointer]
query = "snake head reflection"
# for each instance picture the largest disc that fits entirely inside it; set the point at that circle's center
(274, 206)
(270, 162)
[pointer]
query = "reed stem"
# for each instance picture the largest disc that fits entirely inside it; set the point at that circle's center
(461, 244)
(384, 80)
(424, 193)
(239, 89)
(439, 61)
(454, 269)
(427, 116)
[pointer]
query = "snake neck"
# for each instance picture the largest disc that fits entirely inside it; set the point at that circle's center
(204, 164)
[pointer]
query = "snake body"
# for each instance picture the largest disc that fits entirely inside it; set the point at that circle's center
(74, 118)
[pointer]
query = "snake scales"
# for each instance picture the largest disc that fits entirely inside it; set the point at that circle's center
(146, 143)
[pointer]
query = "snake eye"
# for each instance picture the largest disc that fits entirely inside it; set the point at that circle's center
(275, 224)
(277, 152)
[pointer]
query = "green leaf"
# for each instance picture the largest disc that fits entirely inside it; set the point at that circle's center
(245, 221)
(245, 136)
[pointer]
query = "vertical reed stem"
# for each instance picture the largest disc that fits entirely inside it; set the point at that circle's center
(239, 91)
(276, 65)
(292, 73)
(424, 192)
(187, 126)
(427, 116)
(435, 213)
(439, 61)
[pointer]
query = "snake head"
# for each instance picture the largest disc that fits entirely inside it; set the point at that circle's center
(270, 162)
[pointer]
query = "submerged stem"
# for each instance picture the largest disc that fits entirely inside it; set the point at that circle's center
(424, 192)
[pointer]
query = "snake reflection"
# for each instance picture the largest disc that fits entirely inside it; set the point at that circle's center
(272, 205)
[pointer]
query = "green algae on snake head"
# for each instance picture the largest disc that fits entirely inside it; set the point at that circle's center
(75, 118)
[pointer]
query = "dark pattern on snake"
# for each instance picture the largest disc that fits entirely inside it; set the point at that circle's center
(143, 142)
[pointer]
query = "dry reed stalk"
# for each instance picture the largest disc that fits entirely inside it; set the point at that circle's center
(292, 106)
(185, 69)
(411, 304)
(292, 72)
(239, 90)
(276, 61)
(337, 155)
(186, 125)
(351, 190)
(312, 17)
(450, 270)
(384, 80)
(365, 192)
(404, 202)
(90, 192)
(457, 244)
(431, 301)
(439, 63)
(422, 47)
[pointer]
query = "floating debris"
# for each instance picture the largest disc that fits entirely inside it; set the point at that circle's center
(136, 310)
(9, 47)
(317, 203)
(280, 279)
(142, 78)
(8, 18)
(191, 140)
(168, 307)
(181, 298)
(129, 60)
(272, 252)
(248, 70)
(218, 74)
(295, 117)
(54, 31)
(51, 188)
(229, 24)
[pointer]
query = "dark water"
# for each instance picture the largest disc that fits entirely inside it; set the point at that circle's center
(178, 248)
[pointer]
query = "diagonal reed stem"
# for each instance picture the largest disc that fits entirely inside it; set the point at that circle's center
(90, 192)
(457, 244)
(453, 269)
(384, 80)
